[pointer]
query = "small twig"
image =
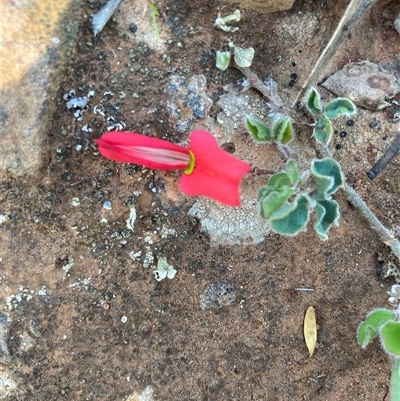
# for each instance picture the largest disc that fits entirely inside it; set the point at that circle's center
(384, 161)
(262, 171)
(79, 182)
(304, 289)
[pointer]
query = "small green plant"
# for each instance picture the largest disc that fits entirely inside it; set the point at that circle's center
(290, 196)
(385, 324)
(288, 199)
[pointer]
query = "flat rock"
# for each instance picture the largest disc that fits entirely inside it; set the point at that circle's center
(365, 84)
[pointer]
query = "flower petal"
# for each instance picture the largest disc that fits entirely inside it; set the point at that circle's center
(200, 183)
(129, 147)
(217, 174)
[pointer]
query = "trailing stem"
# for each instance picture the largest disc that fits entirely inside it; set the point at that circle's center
(394, 391)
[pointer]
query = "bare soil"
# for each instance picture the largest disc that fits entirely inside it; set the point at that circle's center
(89, 322)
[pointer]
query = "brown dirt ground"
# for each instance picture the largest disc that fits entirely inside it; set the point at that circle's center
(253, 350)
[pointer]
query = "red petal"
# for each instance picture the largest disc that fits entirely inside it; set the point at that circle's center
(217, 174)
(128, 147)
(200, 183)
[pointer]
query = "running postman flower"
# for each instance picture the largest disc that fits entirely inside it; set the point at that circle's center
(208, 170)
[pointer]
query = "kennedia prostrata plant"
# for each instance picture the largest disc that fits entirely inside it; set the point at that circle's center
(284, 201)
(207, 169)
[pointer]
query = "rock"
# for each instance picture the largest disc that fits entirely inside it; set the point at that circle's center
(365, 84)
(34, 57)
(188, 100)
(396, 24)
(218, 295)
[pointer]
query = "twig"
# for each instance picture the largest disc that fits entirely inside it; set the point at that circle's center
(383, 162)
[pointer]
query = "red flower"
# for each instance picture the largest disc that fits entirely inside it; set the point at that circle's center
(209, 170)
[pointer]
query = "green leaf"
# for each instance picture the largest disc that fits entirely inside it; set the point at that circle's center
(292, 173)
(222, 60)
(260, 132)
(369, 329)
(282, 130)
(323, 129)
(327, 214)
(340, 107)
(390, 338)
(292, 218)
(273, 201)
(328, 176)
(314, 102)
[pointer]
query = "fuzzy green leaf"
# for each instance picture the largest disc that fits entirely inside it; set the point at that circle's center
(390, 336)
(328, 176)
(369, 329)
(222, 60)
(282, 130)
(260, 132)
(323, 129)
(327, 214)
(273, 201)
(293, 173)
(314, 102)
(292, 218)
(340, 107)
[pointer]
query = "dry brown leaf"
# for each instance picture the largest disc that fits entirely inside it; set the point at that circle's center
(310, 329)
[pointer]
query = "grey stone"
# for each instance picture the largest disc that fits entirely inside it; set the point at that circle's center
(365, 84)
(188, 100)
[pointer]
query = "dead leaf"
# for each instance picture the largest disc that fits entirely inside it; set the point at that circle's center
(310, 329)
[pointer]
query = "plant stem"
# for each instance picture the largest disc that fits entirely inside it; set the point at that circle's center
(384, 234)
(394, 391)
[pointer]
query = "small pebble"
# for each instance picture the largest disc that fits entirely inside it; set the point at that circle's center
(375, 125)
(338, 146)
(350, 123)
(133, 27)
(293, 64)
(343, 134)
(107, 205)
(218, 295)
(124, 319)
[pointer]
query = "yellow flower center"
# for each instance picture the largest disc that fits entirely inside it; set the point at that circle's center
(192, 162)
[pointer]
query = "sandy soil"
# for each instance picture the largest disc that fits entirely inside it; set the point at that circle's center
(87, 319)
